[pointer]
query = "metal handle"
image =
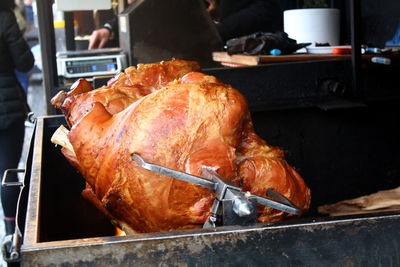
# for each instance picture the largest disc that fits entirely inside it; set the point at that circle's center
(12, 243)
(4, 180)
(31, 117)
(11, 247)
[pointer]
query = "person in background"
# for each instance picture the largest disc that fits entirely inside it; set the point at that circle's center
(100, 37)
(14, 54)
(233, 18)
(29, 15)
(109, 32)
(242, 17)
(23, 77)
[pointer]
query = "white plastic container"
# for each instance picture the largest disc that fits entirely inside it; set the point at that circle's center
(313, 25)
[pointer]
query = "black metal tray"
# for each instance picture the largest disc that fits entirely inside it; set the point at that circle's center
(340, 154)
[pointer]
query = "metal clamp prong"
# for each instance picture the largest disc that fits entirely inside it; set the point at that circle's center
(227, 194)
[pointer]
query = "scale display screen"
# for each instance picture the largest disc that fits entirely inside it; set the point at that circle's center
(92, 65)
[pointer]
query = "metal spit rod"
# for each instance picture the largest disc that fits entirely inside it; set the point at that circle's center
(173, 173)
(223, 189)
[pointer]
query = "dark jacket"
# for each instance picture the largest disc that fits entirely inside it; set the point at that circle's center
(14, 54)
(244, 17)
(238, 18)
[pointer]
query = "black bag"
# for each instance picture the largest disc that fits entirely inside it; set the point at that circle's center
(262, 43)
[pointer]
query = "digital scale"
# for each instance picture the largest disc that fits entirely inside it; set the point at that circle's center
(90, 63)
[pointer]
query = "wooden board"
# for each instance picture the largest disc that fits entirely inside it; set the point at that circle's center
(385, 200)
(248, 60)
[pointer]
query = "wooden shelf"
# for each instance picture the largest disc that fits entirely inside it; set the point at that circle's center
(249, 60)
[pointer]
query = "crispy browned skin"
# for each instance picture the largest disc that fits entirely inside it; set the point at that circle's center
(193, 122)
(122, 90)
(261, 166)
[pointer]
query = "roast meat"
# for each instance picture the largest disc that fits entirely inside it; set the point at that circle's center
(187, 123)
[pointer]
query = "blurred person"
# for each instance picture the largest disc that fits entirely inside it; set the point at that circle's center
(29, 15)
(14, 54)
(109, 31)
(242, 17)
(20, 15)
(100, 37)
(19, 12)
(233, 18)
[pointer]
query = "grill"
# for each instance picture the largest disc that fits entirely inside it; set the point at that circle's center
(61, 229)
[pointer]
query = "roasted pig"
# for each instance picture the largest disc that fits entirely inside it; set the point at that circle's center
(192, 122)
(122, 90)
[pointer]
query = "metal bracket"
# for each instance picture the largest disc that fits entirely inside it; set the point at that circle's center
(231, 206)
(234, 207)
(31, 117)
(11, 244)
